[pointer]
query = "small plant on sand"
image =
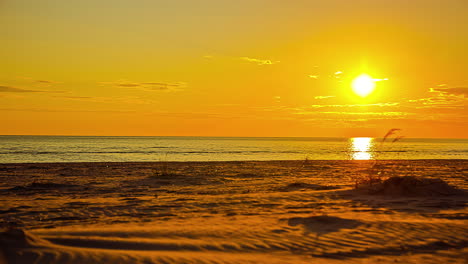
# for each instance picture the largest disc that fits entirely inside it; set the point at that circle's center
(306, 161)
(375, 173)
(162, 170)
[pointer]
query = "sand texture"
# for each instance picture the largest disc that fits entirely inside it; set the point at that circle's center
(235, 212)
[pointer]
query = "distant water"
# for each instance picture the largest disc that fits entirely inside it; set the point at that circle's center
(23, 149)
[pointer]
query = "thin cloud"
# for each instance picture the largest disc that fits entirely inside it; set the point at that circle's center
(447, 108)
(163, 85)
(75, 97)
(10, 89)
(64, 110)
(259, 61)
(149, 86)
(379, 80)
(442, 98)
(337, 74)
(457, 91)
(128, 84)
(46, 82)
(314, 76)
(438, 102)
(41, 81)
(131, 100)
(324, 97)
(383, 113)
(346, 116)
(354, 105)
(369, 113)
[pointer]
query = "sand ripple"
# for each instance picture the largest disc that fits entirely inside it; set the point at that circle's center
(239, 212)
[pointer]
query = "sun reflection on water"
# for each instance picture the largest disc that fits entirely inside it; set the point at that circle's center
(362, 148)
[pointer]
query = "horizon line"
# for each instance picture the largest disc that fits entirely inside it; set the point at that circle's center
(19, 135)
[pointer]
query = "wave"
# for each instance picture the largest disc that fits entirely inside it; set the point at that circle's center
(451, 151)
(145, 152)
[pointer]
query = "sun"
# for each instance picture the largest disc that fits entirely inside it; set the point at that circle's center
(363, 85)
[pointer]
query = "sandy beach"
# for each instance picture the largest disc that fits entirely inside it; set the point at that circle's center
(234, 132)
(234, 212)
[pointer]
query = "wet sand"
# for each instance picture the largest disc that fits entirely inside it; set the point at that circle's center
(232, 212)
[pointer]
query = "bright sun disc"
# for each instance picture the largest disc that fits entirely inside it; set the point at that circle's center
(363, 85)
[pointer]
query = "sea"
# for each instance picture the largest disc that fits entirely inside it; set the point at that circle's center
(45, 149)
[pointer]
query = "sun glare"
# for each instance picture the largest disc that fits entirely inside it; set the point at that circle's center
(363, 85)
(361, 148)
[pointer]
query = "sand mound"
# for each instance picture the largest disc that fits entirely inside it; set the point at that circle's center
(19, 238)
(177, 179)
(295, 186)
(323, 224)
(412, 186)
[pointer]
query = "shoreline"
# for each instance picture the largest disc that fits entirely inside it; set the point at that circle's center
(231, 161)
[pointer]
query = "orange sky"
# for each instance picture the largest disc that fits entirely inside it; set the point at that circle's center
(233, 68)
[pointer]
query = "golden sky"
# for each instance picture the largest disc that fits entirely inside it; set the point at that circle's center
(233, 68)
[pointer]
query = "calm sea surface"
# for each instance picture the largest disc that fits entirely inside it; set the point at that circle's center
(22, 149)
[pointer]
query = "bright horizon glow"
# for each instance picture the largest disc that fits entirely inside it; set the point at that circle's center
(363, 85)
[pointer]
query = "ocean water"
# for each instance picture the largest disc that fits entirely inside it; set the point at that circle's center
(26, 149)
